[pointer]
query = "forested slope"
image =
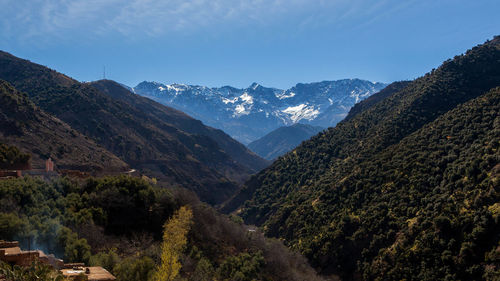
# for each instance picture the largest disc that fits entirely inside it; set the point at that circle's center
(42, 135)
(375, 98)
(367, 198)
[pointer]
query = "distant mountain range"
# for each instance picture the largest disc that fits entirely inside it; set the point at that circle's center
(282, 140)
(248, 114)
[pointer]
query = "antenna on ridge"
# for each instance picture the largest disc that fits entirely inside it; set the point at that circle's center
(104, 72)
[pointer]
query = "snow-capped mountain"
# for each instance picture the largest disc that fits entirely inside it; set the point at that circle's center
(248, 114)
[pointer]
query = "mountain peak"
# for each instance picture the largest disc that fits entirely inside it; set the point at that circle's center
(254, 86)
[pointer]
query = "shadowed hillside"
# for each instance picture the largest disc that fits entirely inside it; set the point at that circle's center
(43, 136)
(156, 147)
(162, 113)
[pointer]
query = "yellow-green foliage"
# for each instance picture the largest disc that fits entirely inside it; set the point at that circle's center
(495, 210)
(174, 241)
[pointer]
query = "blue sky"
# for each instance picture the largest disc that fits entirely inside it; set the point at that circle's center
(236, 42)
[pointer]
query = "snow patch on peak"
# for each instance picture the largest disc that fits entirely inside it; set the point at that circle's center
(173, 87)
(246, 98)
(301, 111)
(285, 95)
(240, 110)
(226, 101)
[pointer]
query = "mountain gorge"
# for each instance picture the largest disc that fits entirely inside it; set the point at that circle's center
(249, 114)
(117, 221)
(161, 142)
(155, 110)
(406, 188)
(249, 140)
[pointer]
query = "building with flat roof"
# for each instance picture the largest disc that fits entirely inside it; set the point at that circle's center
(11, 253)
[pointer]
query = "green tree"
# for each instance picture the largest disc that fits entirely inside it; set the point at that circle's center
(243, 267)
(12, 157)
(204, 271)
(10, 225)
(107, 260)
(135, 269)
(75, 250)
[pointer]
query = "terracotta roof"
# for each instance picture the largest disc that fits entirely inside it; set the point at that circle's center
(12, 251)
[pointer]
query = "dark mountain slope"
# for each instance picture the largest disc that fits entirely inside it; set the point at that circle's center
(423, 209)
(375, 98)
(282, 140)
(157, 148)
(42, 135)
(317, 167)
(155, 110)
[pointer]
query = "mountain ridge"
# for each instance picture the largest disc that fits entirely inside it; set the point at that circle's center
(250, 113)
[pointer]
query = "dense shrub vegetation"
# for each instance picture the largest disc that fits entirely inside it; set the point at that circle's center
(407, 188)
(11, 157)
(32, 130)
(118, 223)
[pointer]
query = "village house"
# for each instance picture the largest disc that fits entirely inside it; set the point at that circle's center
(11, 253)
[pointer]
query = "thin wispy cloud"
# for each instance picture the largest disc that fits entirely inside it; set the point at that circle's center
(153, 18)
(218, 42)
